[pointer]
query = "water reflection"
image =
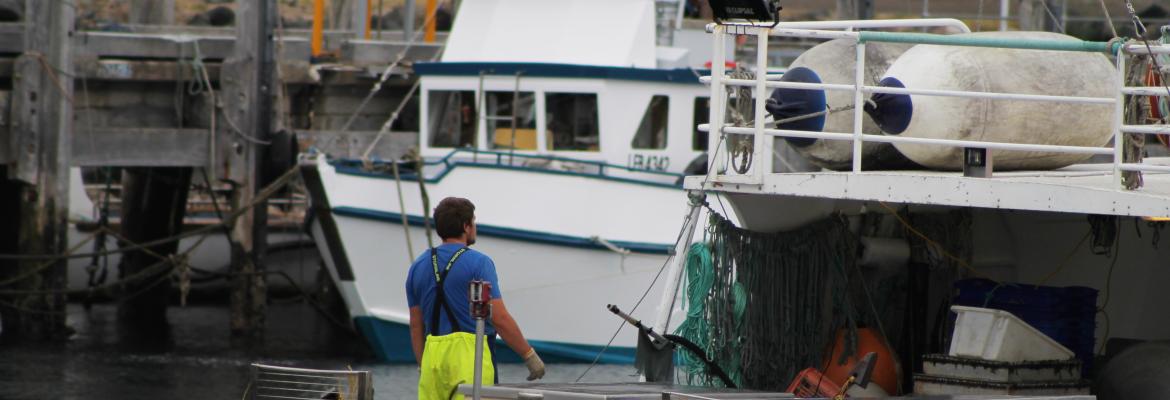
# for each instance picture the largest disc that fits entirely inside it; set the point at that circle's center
(194, 358)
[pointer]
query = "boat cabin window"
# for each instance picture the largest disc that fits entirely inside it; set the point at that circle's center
(451, 119)
(702, 115)
(571, 121)
(502, 107)
(652, 131)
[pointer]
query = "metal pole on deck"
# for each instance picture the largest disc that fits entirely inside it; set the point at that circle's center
(1004, 10)
(858, 98)
(359, 18)
(408, 20)
(677, 261)
(480, 294)
(763, 143)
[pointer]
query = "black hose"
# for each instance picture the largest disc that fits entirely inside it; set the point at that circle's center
(712, 367)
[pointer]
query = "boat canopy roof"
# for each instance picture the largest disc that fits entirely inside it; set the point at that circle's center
(617, 33)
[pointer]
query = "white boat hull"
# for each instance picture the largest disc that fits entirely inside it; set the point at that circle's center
(555, 278)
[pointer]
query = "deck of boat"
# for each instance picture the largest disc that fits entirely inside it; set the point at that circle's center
(656, 391)
(1082, 188)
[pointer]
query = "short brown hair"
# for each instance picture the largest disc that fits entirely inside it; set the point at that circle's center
(451, 215)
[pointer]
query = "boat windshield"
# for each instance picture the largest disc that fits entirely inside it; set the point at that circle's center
(652, 131)
(502, 108)
(572, 121)
(451, 122)
(702, 115)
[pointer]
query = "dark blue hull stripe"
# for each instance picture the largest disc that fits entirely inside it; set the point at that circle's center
(390, 341)
(552, 70)
(509, 233)
(349, 169)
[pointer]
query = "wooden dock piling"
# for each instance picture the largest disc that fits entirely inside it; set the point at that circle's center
(38, 169)
(250, 97)
(154, 201)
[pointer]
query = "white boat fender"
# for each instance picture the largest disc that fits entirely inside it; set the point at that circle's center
(891, 112)
(884, 253)
(834, 62)
(996, 73)
(791, 103)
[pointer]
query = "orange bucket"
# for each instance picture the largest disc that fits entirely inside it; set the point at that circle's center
(885, 373)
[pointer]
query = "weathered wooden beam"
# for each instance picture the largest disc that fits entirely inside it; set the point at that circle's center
(154, 201)
(11, 38)
(353, 144)
(359, 18)
(213, 49)
(141, 70)
(137, 45)
(376, 52)
(141, 147)
(24, 128)
(167, 147)
(170, 46)
(292, 72)
(248, 90)
(41, 130)
(6, 155)
(152, 12)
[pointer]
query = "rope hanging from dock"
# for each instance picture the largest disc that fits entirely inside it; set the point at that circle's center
(765, 305)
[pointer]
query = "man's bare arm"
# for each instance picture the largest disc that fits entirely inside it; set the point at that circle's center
(416, 333)
(508, 329)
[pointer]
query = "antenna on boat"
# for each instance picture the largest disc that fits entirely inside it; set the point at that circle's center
(746, 11)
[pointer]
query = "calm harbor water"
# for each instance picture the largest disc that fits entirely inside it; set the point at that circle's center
(196, 359)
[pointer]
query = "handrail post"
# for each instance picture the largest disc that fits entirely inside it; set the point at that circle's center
(763, 156)
(1118, 116)
(1004, 13)
(858, 104)
(717, 101)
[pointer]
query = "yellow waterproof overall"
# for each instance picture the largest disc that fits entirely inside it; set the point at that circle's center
(449, 360)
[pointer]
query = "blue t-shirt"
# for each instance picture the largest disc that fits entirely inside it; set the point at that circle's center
(420, 287)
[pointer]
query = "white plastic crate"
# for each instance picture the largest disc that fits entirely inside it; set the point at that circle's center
(936, 385)
(998, 335)
(945, 366)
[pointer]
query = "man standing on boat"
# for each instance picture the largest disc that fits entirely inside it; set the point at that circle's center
(441, 326)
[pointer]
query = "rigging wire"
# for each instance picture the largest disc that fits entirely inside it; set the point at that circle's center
(622, 324)
(1055, 21)
(386, 73)
(979, 18)
(1139, 29)
(1108, 18)
(681, 234)
(938, 247)
(1108, 287)
(263, 195)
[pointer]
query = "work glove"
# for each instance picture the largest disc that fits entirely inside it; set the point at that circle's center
(534, 364)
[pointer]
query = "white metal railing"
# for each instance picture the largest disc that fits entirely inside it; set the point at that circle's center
(763, 136)
(879, 23)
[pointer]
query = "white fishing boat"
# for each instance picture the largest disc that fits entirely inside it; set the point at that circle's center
(570, 130)
(1004, 194)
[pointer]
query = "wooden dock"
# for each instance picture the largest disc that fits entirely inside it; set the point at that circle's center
(171, 106)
